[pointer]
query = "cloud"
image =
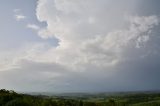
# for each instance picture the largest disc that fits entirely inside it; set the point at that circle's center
(16, 10)
(41, 32)
(84, 38)
(18, 15)
(30, 76)
(101, 43)
(33, 27)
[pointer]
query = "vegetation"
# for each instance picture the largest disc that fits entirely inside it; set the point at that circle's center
(11, 98)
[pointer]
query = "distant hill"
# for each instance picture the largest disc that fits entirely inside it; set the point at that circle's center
(11, 98)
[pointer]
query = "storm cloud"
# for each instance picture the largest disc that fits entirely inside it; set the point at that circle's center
(103, 45)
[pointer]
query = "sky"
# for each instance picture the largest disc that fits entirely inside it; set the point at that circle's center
(79, 45)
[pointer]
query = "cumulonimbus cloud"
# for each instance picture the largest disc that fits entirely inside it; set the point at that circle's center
(84, 39)
(82, 31)
(99, 40)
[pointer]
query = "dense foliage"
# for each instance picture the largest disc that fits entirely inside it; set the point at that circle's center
(11, 98)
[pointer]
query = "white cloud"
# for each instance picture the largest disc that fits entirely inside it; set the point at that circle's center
(44, 33)
(33, 27)
(20, 17)
(82, 31)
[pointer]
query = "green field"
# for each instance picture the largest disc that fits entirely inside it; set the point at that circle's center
(11, 98)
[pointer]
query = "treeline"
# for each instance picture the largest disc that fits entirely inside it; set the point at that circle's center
(11, 98)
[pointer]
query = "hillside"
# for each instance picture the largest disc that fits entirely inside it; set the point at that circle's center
(11, 98)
